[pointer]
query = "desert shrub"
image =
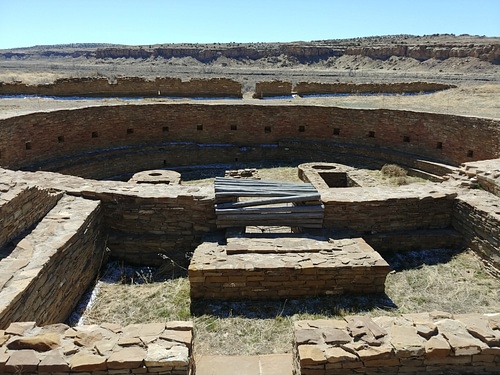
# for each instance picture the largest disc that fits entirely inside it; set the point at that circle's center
(393, 170)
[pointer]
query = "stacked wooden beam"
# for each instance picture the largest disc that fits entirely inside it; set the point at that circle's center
(267, 203)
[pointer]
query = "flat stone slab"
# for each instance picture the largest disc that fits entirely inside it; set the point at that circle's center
(271, 364)
(285, 266)
(280, 244)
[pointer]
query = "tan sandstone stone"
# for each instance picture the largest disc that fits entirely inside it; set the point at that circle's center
(406, 341)
(22, 360)
(437, 347)
(311, 355)
(53, 361)
(335, 355)
(159, 356)
(84, 361)
(18, 328)
(39, 343)
(126, 358)
(461, 342)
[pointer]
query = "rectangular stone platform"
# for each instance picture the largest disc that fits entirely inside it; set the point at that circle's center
(285, 266)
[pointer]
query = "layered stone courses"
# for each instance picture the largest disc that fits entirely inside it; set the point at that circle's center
(434, 342)
(21, 206)
(171, 219)
(100, 134)
(277, 266)
(128, 86)
(47, 271)
(153, 348)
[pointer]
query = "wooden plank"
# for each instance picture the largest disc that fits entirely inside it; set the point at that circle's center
(271, 216)
(248, 182)
(286, 224)
(290, 199)
(291, 209)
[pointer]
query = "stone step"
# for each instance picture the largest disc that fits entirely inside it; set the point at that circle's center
(270, 364)
(285, 267)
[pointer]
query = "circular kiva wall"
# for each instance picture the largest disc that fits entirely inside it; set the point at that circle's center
(100, 142)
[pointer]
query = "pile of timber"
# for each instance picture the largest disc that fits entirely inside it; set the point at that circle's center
(267, 203)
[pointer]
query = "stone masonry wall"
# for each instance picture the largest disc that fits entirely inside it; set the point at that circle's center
(128, 86)
(476, 216)
(50, 268)
(272, 88)
(21, 207)
(311, 88)
(153, 348)
(372, 210)
(342, 266)
(413, 344)
(36, 139)
(140, 221)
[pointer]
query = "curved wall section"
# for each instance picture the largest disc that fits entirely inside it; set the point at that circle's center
(67, 140)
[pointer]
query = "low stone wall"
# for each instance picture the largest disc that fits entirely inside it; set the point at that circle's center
(256, 270)
(272, 88)
(128, 86)
(154, 348)
(21, 207)
(140, 221)
(65, 138)
(476, 215)
(486, 173)
(370, 210)
(50, 268)
(312, 88)
(436, 343)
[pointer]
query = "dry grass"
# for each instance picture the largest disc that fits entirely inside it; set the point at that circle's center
(454, 283)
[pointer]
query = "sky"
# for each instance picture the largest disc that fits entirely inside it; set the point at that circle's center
(25, 23)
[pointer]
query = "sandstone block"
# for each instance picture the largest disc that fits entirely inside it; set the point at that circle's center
(126, 358)
(22, 360)
(311, 355)
(307, 336)
(461, 342)
(53, 361)
(478, 325)
(19, 328)
(437, 347)
(39, 343)
(339, 355)
(183, 337)
(84, 361)
(406, 341)
(159, 356)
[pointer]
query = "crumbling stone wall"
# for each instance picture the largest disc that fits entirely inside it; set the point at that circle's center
(435, 342)
(153, 348)
(46, 273)
(128, 86)
(40, 139)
